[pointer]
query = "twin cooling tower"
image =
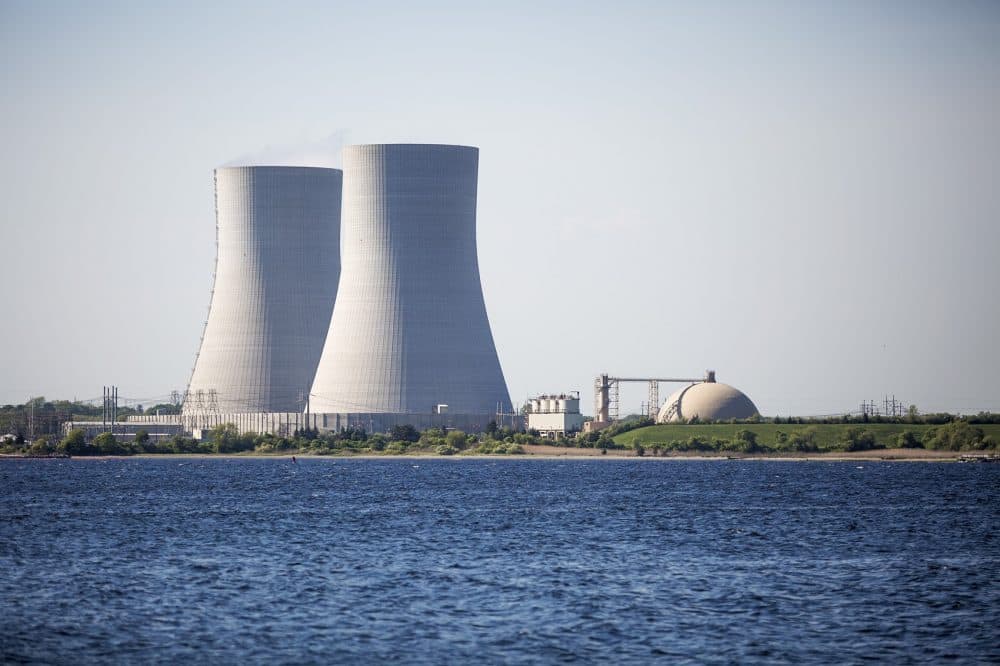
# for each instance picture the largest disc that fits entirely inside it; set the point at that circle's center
(276, 270)
(405, 332)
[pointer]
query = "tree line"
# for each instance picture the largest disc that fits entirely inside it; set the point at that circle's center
(39, 416)
(952, 436)
(226, 438)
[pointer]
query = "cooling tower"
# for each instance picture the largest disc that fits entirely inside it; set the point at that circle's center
(409, 330)
(276, 272)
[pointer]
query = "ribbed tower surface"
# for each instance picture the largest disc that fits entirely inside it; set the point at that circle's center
(277, 266)
(409, 330)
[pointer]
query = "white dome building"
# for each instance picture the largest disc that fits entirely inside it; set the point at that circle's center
(709, 401)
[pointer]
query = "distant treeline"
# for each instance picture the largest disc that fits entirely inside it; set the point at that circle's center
(45, 417)
(226, 439)
(756, 435)
(912, 418)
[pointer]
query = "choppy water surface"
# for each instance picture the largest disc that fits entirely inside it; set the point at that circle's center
(240, 560)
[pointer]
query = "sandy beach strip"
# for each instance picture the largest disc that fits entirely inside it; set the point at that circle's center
(545, 452)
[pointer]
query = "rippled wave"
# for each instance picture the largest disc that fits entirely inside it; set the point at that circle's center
(458, 561)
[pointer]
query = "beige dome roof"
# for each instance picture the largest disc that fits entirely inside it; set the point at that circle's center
(709, 401)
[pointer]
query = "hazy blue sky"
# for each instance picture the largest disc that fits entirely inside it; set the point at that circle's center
(803, 196)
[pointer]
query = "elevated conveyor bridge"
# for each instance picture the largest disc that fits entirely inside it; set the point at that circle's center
(606, 394)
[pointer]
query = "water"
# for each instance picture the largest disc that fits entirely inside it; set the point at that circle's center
(458, 561)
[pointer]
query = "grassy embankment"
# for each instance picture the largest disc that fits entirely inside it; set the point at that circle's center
(825, 436)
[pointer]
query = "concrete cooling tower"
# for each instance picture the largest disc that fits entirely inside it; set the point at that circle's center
(409, 330)
(276, 272)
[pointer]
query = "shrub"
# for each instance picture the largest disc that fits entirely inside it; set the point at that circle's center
(745, 441)
(908, 440)
(493, 447)
(445, 450)
(429, 441)
(353, 434)
(308, 434)
(856, 439)
(955, 436)
(459, 440)
(181, 444)
(802, 440)
(74, 444)
(42, 447)
(269, 443)
(404, 433)
(378, 441)
(625, 426)
(107, 445)
(696, 443)
(396, 447)
(226, 438)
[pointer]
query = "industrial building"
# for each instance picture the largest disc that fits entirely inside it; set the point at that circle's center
(378, 319)
(704, 398)
(409, 332)
(157, 429)
(555, 415)
(276, 273)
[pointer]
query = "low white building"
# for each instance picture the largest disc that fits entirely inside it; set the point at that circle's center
(555, 415)
(157, 428)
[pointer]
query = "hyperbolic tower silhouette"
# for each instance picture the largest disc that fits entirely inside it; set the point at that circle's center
(276, 272)
(409, 330)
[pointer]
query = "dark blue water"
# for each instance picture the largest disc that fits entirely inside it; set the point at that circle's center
(455, 561)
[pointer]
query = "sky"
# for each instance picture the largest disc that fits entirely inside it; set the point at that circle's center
(803, 197)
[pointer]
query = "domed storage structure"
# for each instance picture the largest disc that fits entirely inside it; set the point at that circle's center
(709, 401)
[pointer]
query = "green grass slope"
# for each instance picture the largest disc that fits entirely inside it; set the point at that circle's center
(826, 436)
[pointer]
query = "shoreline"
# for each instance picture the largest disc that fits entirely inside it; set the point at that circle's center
(542, 452)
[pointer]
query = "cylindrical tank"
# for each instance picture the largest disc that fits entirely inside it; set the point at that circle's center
(276, 272)
(409, 328)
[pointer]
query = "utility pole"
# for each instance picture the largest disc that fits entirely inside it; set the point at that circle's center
(109, 410)
(112, 407)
